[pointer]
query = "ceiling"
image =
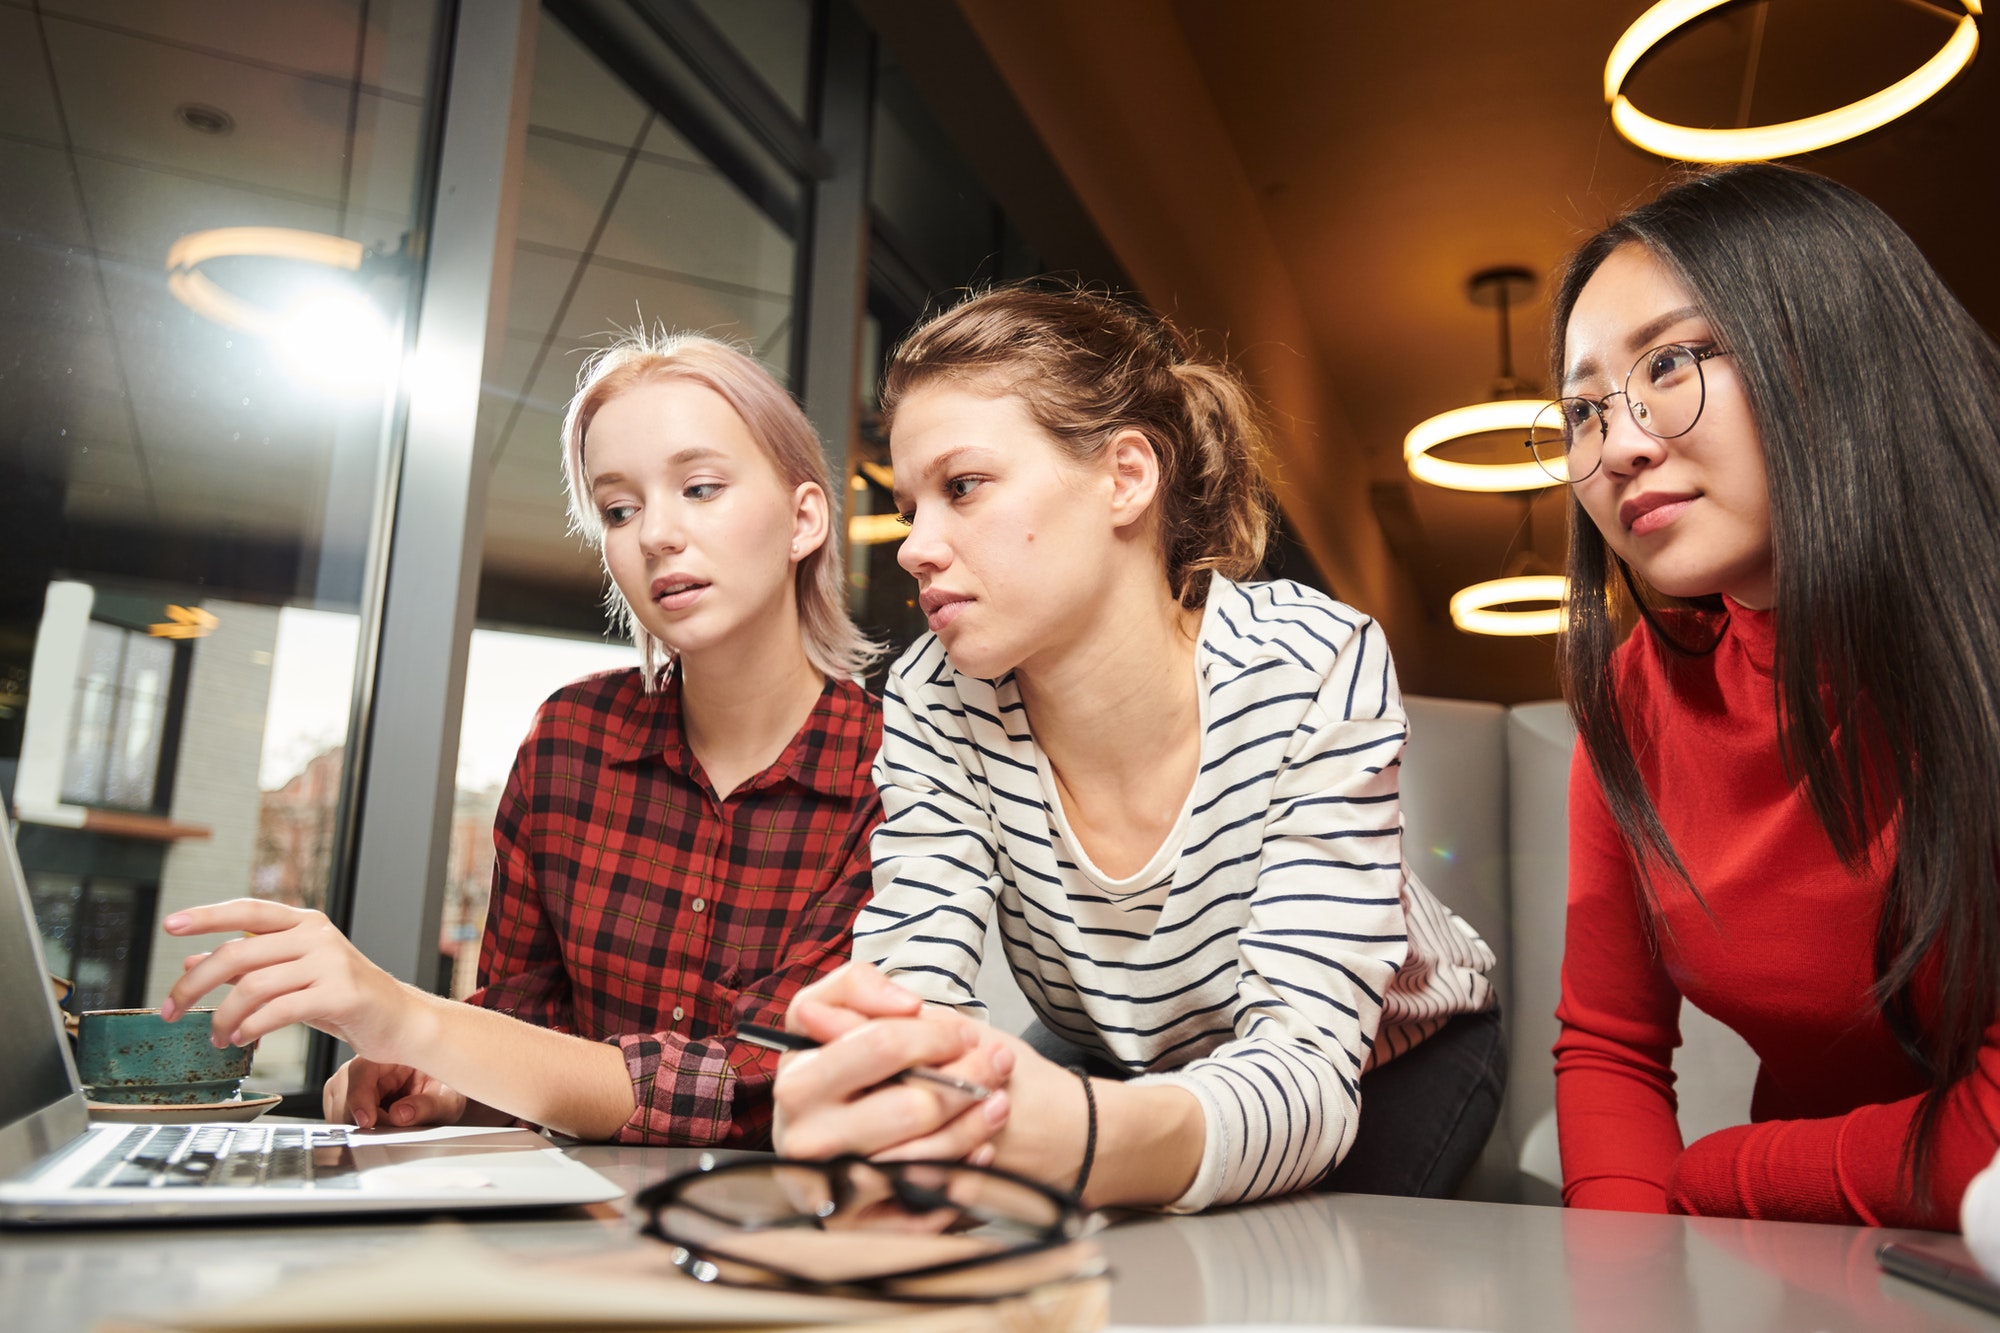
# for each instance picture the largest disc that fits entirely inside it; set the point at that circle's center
(1397, 149)
(1313, 184)
(141, 411)
(146, 424)
(1391, 151)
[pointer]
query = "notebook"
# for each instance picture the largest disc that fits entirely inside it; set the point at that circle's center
(57, 1168)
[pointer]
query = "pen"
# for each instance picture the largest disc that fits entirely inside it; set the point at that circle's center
(777, 1039)
(1939, 1274)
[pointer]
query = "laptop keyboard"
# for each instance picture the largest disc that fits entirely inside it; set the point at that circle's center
(231, 1156)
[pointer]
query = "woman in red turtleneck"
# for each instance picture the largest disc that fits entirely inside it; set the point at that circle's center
(1780, 433)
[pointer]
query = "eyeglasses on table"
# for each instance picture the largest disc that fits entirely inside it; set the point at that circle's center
(906, 1231)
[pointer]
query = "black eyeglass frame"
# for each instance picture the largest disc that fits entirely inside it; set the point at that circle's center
(1603, 408)
(1071, 1223)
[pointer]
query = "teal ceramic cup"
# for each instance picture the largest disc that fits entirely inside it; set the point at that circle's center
(133, 1056)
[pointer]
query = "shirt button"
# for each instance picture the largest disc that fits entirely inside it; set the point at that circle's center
(679, 1013)
(700, 903)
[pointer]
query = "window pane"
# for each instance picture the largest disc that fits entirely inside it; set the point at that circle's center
(623, 222)
(119, 718)
(205, 286)
(96, 700)
(111, 940)
(928, 201)
(935, 220)
(55, 899)
(139, 723)
(303, 756)
(507, 675)
(775, 36)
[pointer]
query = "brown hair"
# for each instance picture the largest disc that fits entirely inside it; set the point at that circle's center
(1088, 365)
(833, 644)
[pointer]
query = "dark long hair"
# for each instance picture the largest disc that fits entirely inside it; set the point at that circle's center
(1877, 399)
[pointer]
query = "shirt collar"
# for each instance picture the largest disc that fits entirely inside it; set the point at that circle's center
(830, 753)
(825, 756)
(652, 725)
(1754, 632)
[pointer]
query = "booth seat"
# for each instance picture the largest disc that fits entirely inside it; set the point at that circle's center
(1485, 792)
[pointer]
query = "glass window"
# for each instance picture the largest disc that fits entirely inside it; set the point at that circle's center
(205, 282)
(881, 595)
(623, 223)
(120, 718)
(930, 206)
(93, 932)
(508, 673)
(937, 230)
(55, 899)
(775, 37)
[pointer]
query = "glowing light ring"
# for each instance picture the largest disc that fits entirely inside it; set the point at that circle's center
(876, 529)
(203, 295)
(1471, 607)
(1508, 414)
(1756, 142)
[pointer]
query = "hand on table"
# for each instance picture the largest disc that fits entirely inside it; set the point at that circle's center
(365, 1093)
(293, 967)
(837, 1099)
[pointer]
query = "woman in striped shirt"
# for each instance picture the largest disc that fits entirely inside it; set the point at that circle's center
(1174, 793)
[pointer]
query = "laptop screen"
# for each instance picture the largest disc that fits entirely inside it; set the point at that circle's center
(33, 1072)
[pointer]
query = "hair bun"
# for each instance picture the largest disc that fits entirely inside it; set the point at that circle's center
(1087, 365)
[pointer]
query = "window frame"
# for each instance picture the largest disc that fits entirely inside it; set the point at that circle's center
(173, 704)
(388, 882)
(810, 176)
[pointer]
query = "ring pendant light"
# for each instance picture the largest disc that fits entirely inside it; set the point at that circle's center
(1498, 288)
(876, 529)
(1508, 414)
(203, 295)
(1473, 609)
(1751, 143)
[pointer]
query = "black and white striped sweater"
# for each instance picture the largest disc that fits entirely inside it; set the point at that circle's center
(1275, 947)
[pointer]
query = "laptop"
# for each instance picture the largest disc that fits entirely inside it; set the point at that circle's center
(56, 1168)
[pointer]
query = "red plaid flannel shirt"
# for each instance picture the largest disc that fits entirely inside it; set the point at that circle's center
(631, 906)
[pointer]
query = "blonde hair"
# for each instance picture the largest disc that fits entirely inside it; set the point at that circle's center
(833, 643)
(1088, 365)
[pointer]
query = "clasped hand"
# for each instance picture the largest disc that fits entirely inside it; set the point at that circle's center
(837, 1099)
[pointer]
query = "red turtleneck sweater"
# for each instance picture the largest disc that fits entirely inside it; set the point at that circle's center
(1782, 956)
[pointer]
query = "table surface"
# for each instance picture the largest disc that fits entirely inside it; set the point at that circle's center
(1315, 1259)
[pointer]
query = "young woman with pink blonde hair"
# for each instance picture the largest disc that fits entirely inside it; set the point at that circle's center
(681, 846)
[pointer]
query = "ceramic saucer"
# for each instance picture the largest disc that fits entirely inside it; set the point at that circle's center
(141, 1113)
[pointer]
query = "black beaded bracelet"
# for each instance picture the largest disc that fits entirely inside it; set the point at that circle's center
(1090, 1134)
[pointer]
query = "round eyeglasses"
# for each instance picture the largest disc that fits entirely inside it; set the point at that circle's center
(899, 1231)
(1663, 392)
